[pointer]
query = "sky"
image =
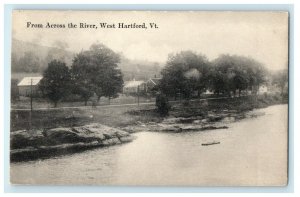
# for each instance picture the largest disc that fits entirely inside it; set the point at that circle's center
(260, 35)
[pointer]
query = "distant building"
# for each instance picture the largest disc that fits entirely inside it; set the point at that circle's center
(263, 89)
(28, 84)
(208, 92)
(152, 83)
(134, 86)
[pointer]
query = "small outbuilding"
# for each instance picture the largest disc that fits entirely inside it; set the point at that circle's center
(152, 83)
(29, 85)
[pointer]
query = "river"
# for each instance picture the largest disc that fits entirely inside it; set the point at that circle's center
(252, 151)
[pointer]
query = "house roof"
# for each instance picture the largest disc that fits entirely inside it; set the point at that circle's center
(26, 81)
(131, 84)
(155, 81)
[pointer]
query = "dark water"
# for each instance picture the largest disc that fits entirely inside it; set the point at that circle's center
(251, 152)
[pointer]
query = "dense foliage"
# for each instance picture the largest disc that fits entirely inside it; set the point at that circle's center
(93, 72)
(56, 81)
(185, 73)
(280, 79)
(96, 71)
(190, 74)
(236, 73)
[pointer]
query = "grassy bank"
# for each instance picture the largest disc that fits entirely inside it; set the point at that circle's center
(202, 108)
(237, 104)
(130, 115)
(46, 119)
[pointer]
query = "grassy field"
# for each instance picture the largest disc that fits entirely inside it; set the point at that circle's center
(24, 102)
(129, 115)
(111, 116)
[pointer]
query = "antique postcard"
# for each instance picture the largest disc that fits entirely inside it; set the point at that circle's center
(149, 98)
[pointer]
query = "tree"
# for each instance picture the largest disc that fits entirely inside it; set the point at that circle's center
(236, 73)
(96, 71)
(280, 79)
(83, 84)
(162, 104)
(112, 83)
(185, 73)
(29, 62)
(257, 74)
(219, 82)
(240, 82)
(56, 81)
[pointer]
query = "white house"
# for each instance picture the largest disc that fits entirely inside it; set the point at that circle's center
(28, 84)
(262, 89)
(208, 92)
(134, 87)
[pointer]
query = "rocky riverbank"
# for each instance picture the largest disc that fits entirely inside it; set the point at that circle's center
(34, 144)
(58, 132)
(211, 120)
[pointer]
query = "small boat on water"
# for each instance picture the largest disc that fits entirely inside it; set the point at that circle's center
(210, 143)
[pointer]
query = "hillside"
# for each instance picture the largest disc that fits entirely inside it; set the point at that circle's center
(139, 70)
(29, 58)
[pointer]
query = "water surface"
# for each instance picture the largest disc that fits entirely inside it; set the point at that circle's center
(251, 152)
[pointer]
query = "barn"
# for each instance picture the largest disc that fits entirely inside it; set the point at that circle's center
(28, 85)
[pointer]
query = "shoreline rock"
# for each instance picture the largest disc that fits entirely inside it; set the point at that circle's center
(214, 119)
(36, 144)
(175, 127)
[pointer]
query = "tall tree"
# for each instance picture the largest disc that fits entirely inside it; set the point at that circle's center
(82, 80)
(96, 71)
(56, 81)
(280, 79)
(185, 73)
(112, 83)
(237, 73)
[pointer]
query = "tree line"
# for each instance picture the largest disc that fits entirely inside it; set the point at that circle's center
(188, 74)
(94, 72)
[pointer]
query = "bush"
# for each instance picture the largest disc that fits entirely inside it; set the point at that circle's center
(162, 104)
(186, 103)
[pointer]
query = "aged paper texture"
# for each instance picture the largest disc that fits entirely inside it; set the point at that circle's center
(159, 98)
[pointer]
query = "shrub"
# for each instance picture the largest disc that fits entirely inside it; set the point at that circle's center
(162, 104)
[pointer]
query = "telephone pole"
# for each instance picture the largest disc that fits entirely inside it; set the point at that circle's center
(30, 116)
(31, 95)
(138, 94)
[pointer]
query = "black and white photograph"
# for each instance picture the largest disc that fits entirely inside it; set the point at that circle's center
(149, 98)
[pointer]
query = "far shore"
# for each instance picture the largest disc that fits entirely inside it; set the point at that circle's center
(128, 115)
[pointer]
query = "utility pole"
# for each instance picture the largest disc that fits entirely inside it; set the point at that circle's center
(31, 95)
(30, 116)
(138, 94)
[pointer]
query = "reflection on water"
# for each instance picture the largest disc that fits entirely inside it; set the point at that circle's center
(251, 152)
